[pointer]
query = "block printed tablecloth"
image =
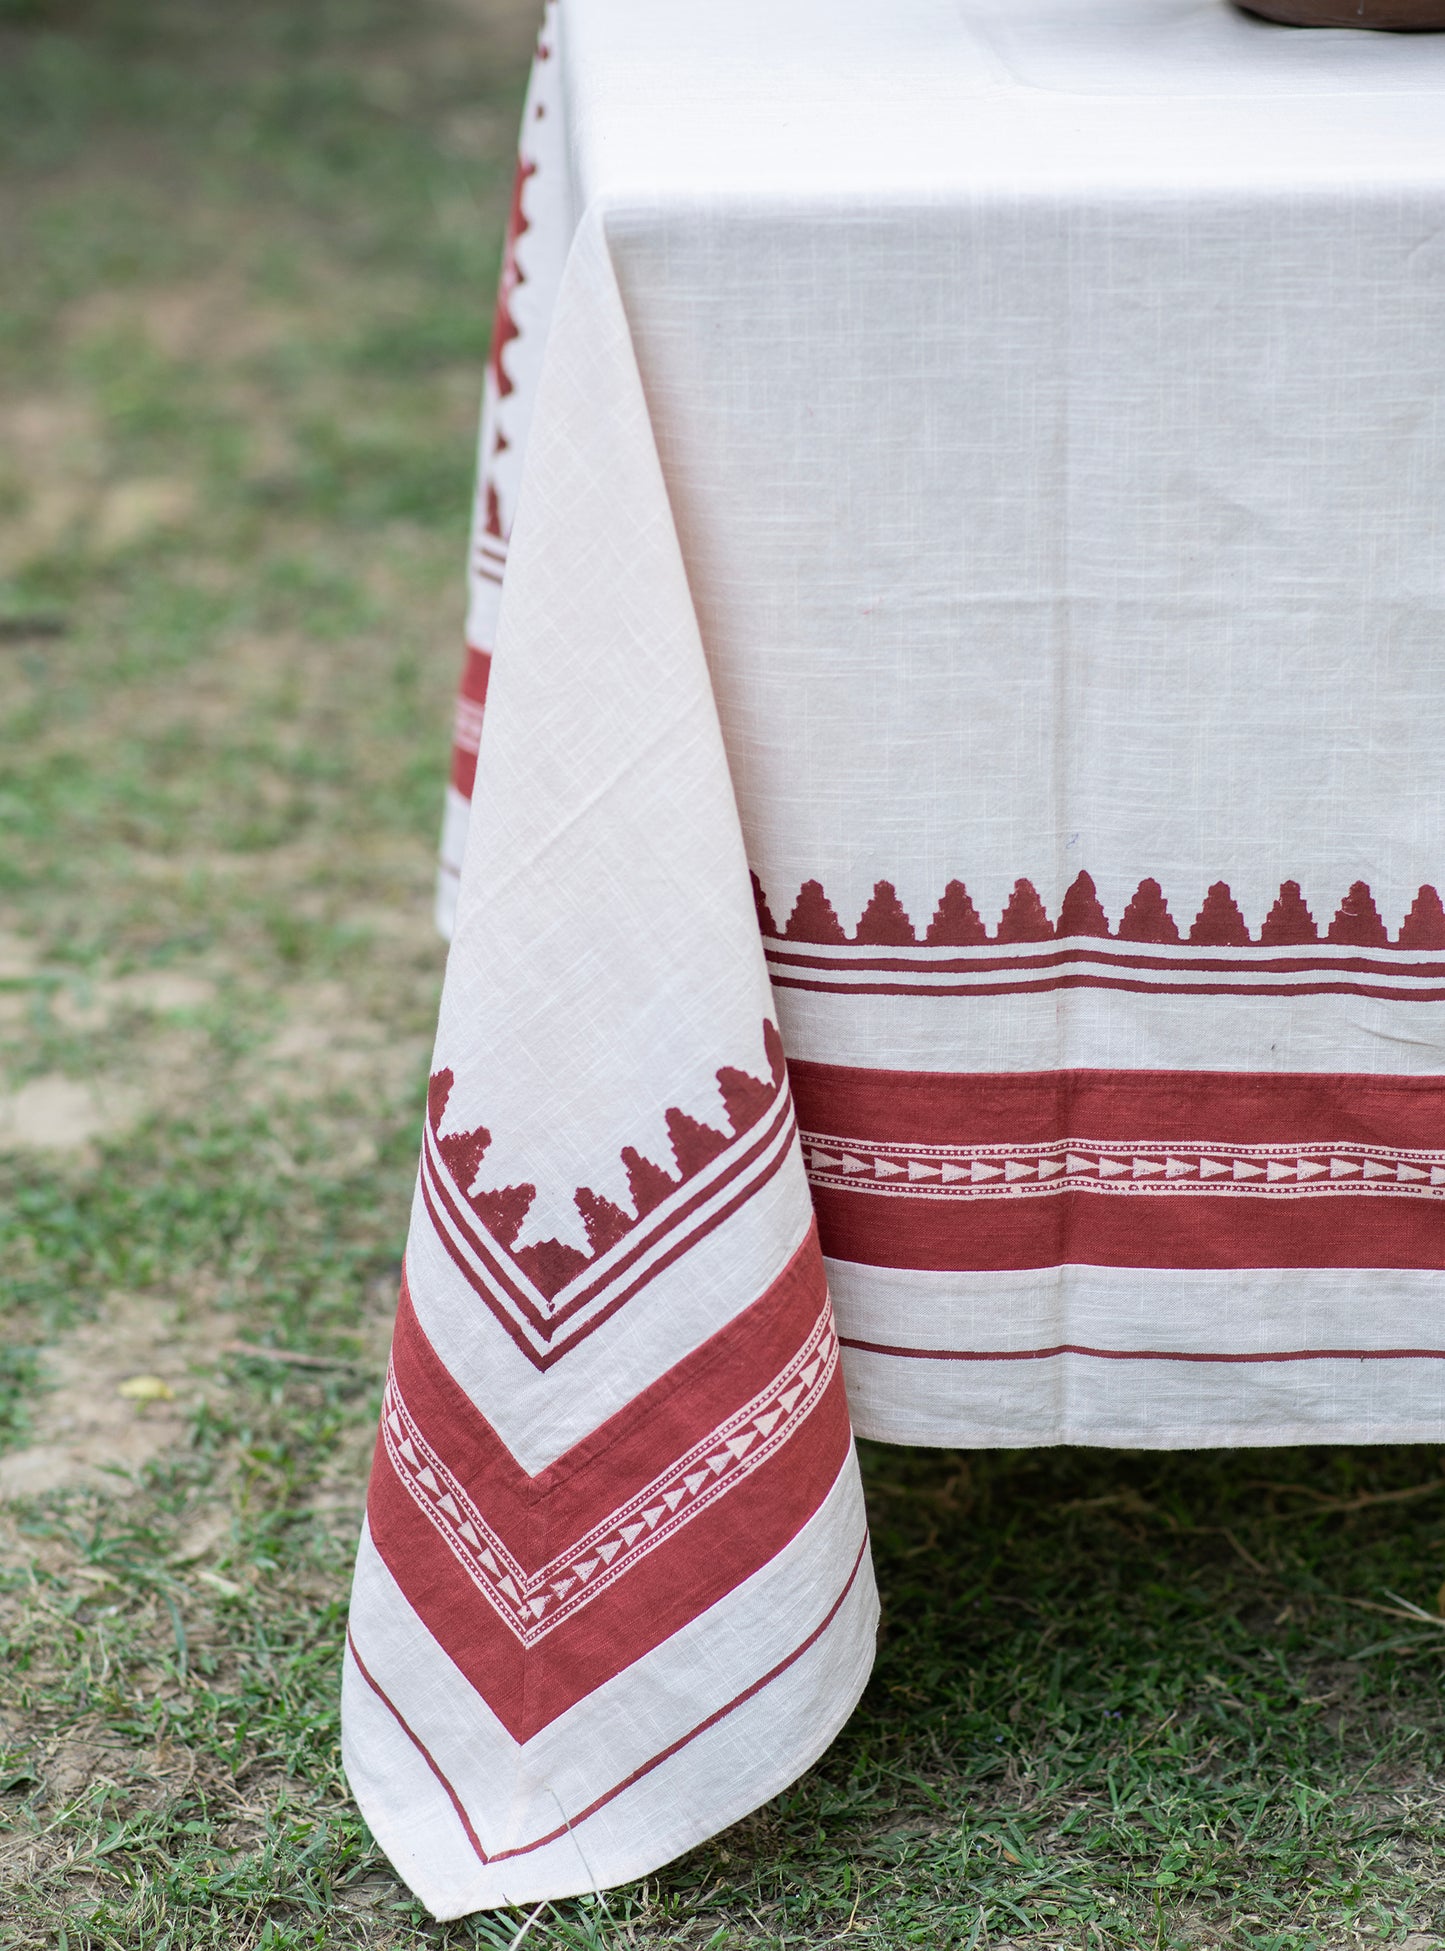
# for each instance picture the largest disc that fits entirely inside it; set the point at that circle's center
(949, 943)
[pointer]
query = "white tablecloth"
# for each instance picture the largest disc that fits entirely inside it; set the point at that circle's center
(962, 486)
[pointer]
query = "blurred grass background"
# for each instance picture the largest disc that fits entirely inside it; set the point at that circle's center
(1121, 1700)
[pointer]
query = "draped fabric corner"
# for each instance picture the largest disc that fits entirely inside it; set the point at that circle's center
(613, 1589)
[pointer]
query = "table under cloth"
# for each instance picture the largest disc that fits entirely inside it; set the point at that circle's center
(948, 946)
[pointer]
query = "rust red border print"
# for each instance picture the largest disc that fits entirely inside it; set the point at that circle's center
(542, 1587)
(549, 1295)
(1027, 949)
(1188, 1169)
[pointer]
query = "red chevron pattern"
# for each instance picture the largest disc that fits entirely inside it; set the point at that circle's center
(549, 1295)
(533, 1604)
(938, 1170)
(957, 955)
(669, 1505)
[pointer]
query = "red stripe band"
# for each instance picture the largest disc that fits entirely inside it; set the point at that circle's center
(1142, 1354)
(962, 1172)
(416, 1741)
(1379, 990)
(1258, 962)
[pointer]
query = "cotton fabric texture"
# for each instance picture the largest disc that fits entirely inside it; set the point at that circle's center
(944, 851)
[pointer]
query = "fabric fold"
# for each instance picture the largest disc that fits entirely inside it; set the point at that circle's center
(614, 1589)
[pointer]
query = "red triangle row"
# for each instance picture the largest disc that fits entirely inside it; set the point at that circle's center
(503, 1210)
(956, 922)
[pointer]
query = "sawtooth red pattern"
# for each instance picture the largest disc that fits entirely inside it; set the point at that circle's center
(504, 325)
(551, 1264)
(1219, 923)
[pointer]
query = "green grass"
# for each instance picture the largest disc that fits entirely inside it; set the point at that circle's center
(1120, 1700)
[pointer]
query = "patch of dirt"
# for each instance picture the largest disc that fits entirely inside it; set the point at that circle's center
(327, 1044)
(86, 1434)
(72, 1764)
(159, 992)
(80, 1764)
(19, 956)
(65, 1114)
(216, 319)
(328, 1039)
(131, 510)
(52, 457)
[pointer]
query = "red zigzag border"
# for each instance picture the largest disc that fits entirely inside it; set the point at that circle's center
(956, 922)
(551, 1264)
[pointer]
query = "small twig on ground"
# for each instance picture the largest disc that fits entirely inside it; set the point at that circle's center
(1248, 1556)
(1325, 1503)
(289, 1356)
(1128, 1500)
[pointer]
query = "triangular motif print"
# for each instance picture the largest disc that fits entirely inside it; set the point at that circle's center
(1357, 921)
(1069, 1166)
(1082, 912)
(1223, 951)
(884, 923)
(814, 918)
(1147, 919)
(1289, 923)
(1424, 926)
(548, 1293)
(956, 922)
(1219, 924)
(766, 923)
(1024, 918)
(504, 325)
